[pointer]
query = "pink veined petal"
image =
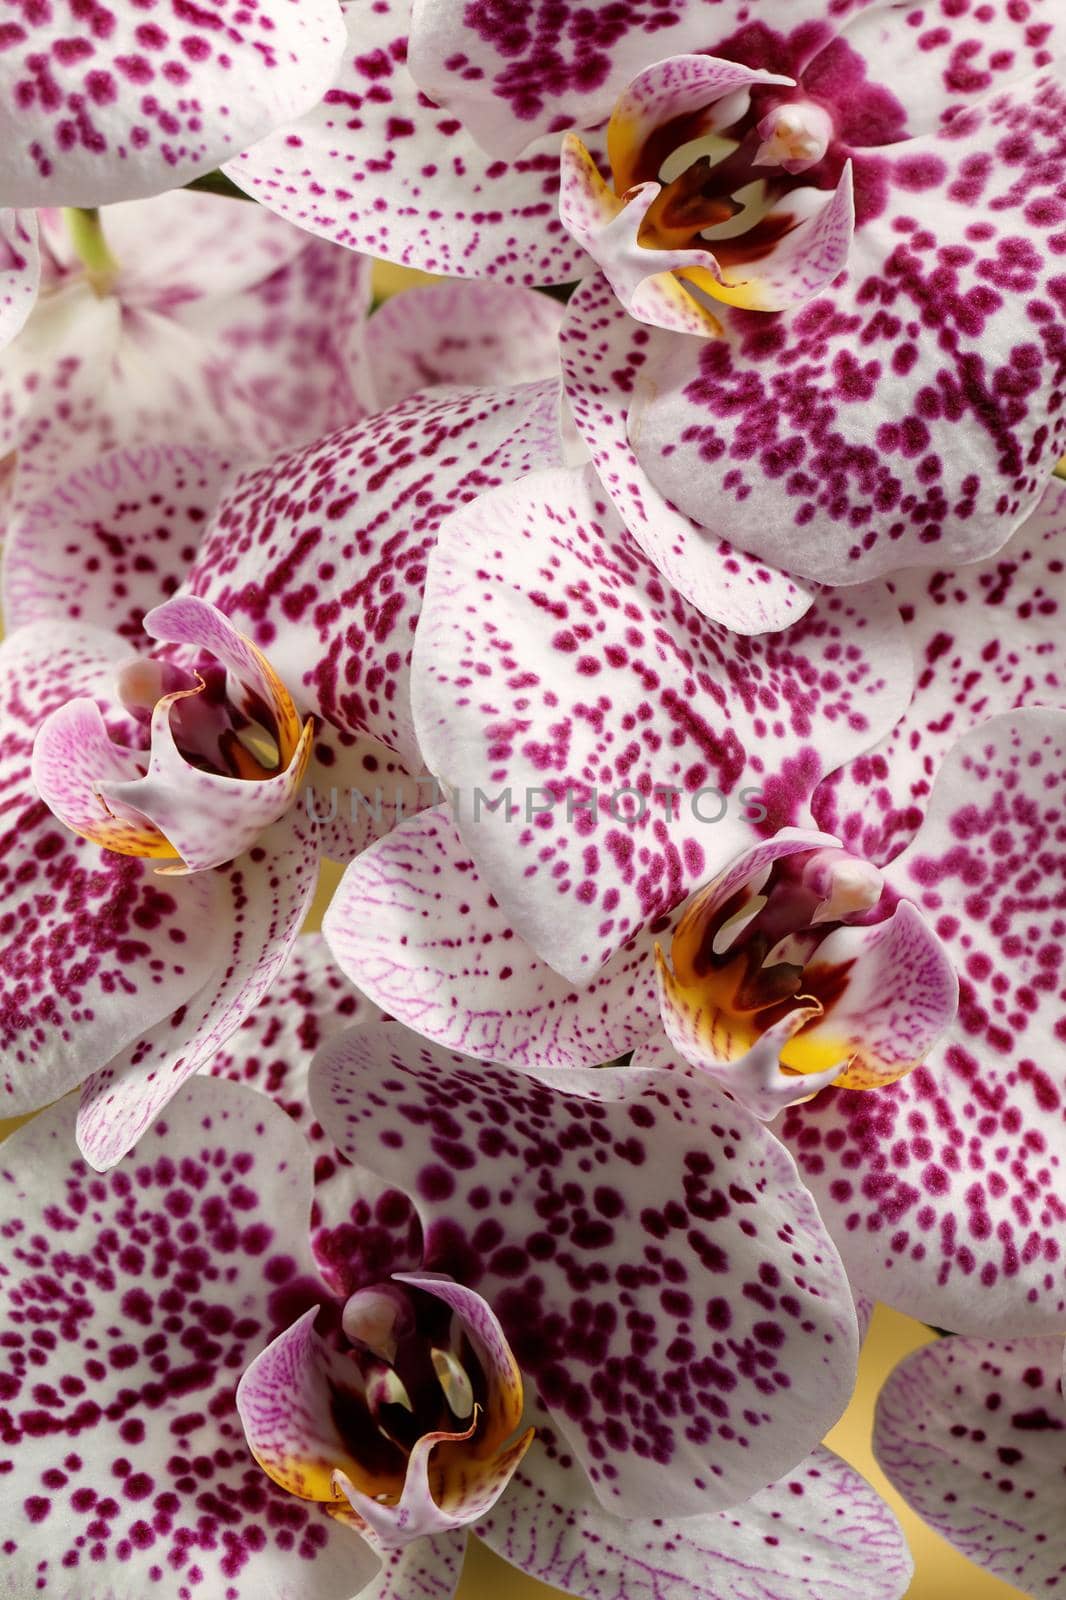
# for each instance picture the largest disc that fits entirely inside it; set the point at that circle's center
(554, 668)
(413, 925)
(903, 418)
(512, 74)
(264, 897)
(944, 1191)
(96, 948)
(130, 1306)
(113, 538)
(462, 334)
(20, 271)
(822, 1530)
(604, 354)
(563, 1201)
(985, 638)
(377, 167)
(122, 103)
(429, 1569)
(973, 1436)
(321, 557)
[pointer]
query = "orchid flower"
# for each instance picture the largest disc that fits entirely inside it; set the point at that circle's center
(191, 703)
(973, 1435)
(185, 319)
(147, 1313)
(944, 1190)
(859, 215)
(624, 749)
(107, 102)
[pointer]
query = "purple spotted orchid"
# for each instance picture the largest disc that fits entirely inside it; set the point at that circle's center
(137, 1302)
(857, 207)
(646, 849)
(973, 1435)
(191, 702)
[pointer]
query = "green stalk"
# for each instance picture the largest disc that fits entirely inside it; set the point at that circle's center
(87, 236)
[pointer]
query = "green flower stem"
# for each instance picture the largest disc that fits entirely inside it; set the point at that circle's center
(87, 236)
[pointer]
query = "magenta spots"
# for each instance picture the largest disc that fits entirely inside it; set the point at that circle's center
(605, 1224)
(103, 107)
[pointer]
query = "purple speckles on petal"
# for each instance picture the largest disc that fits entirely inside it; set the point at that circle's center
(109, 101)
(610, 1219)
(945, 1191)
(553, 662)
(131, 1304)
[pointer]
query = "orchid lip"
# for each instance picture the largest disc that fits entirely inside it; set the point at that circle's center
(799, 968)
(417, 1403)
(210, 751)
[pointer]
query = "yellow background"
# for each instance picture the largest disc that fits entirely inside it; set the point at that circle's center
(940, 1574)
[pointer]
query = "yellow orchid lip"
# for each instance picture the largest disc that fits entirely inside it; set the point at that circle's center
(218, 754)
(773, 956)
(405, 1421)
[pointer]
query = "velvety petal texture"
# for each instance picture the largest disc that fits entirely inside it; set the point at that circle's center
(461, 334)
(973, 1435)
(944, 1191)
(626, 744)
(377, 167)
(111, 102)
(536, 1195)
(130, 1305)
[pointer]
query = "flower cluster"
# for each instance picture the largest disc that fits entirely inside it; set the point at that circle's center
(647, 639)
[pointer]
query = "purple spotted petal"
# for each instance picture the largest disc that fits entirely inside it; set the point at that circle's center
(934, 61)
(413, 925)
(20, 271)
(111, 102)
(553, 662)
(321, 557)
(945, 1191)
(985, 638)
(902, 419)
(512, 74)
(973, 1436)
(130, 1306)
(95, 947)
(821, 1531)
(604, 353)
(264, 898)
(462, 334)
(610, 1224)
(377, 167)
(112, 539)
